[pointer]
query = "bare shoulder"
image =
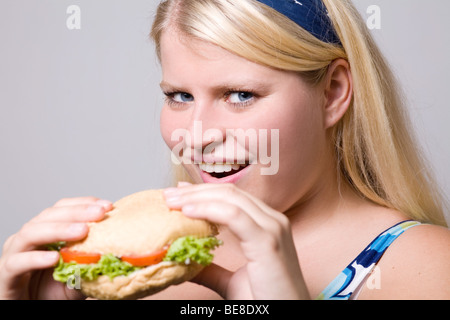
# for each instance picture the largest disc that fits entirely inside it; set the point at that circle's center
(416, 266)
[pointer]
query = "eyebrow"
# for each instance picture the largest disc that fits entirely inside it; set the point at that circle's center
(167, 86)
(238, 85)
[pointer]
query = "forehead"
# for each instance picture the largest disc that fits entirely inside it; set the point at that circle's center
(175, 44)
(188, 61)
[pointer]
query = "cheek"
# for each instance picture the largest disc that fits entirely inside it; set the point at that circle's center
(300, 131)
(169, 123)
(301, 144)
(302, 138)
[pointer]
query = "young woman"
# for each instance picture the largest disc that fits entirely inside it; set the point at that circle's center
(350, 196)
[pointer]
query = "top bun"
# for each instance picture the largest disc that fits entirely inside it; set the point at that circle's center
(140, 224)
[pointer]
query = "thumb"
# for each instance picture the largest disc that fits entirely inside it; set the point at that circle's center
(215, 278)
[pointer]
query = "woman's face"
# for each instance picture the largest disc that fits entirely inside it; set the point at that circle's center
(266, 124)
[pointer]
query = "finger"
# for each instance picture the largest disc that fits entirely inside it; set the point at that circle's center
(257, 240)
(177, 198)
(75, 201)
(226, 193)
(56, 290)
(182, 184)
(35, 235)
(76, 213)
(215, 278)
(18, 264)
(186, 187)
(7, 243)
(240, 224)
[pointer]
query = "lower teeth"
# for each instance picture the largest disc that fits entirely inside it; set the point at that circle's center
(225, 174)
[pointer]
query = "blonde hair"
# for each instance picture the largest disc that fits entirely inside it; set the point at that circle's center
(374, 145)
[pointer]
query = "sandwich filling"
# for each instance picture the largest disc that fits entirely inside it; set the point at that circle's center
(90, 266)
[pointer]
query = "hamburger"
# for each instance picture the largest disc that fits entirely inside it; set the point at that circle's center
(140, 248)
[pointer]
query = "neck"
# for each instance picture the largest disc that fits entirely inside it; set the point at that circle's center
(329, 202)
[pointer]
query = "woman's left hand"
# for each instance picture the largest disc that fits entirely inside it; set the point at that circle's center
(272, 270)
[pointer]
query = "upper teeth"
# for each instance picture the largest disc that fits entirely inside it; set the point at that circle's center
(219, 168)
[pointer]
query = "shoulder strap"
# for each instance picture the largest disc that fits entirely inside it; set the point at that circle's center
(356, 272)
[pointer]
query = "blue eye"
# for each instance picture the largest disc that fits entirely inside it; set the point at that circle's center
(182, 97)
(239, 97)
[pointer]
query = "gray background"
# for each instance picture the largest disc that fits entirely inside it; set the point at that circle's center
(79, 109)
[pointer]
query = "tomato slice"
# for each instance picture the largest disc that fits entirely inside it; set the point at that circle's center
(146, 260)
(79, 257)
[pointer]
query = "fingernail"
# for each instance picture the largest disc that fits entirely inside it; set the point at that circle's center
(104, 203)
(95, 210)
(188, 209)
(173, 200)
(170, 191)
(184, 184)
(76, 228)
(50, 256)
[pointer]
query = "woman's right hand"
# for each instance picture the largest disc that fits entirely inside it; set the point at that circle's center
(26, 265)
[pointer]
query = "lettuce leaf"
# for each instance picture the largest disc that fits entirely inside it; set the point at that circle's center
(187, 249)
(108, 265)
(183, 250)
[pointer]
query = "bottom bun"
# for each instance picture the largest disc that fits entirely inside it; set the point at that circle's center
(140, 284)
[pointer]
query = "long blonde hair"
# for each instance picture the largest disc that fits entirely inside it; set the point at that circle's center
(375, 148)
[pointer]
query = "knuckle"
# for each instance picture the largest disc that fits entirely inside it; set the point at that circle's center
(7, 243)
(278, 233)
(230, 189)
(61, 202)
(277, 230)
(25, 229)
(71, 201)
(8, 264)
(281, 222)
(44, 213)
(285, 223)
(271, 242)
(234, 212)
(91, 199)
(23, 236)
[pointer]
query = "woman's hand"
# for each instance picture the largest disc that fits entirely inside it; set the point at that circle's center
(24, 265)
(272, 270)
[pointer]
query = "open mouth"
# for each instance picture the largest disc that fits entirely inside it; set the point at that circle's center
(221, 171)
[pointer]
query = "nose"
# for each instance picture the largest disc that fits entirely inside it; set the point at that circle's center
(205, 129)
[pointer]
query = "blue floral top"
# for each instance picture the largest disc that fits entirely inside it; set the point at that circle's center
(357, 272)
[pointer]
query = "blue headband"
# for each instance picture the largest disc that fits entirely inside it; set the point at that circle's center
(311, 15)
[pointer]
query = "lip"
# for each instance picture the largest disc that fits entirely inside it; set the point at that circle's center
(207, 178)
